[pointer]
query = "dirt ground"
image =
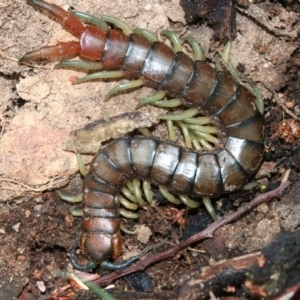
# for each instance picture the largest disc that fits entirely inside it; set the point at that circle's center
(40, 108)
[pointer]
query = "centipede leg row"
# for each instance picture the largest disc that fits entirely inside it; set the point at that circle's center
(135, 56)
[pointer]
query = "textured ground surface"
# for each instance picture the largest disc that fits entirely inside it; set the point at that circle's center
(40, 107)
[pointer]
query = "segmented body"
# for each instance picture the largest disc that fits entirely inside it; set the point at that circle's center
(231, 107)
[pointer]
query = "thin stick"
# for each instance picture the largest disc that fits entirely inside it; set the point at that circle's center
(288, 111)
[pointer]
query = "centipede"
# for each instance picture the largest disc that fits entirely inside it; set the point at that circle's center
(134, 54)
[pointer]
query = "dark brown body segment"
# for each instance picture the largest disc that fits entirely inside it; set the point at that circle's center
(115, 49)
(137, 52)
(157, 64)
(178, 75)
(184, 175)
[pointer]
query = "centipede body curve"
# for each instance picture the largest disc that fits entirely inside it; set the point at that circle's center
(214, 93)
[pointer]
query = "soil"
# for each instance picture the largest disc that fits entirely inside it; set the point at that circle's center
(40, 108)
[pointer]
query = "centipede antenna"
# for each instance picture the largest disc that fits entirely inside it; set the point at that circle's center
(113, 267)
(98, 22)
(151, 37)
(84, 268)
(101, 75)
(80, 64)
(174, 39)
(125, 86)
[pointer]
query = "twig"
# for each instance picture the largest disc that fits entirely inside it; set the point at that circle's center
(5, 56)
(206, 233)
(280, 102)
